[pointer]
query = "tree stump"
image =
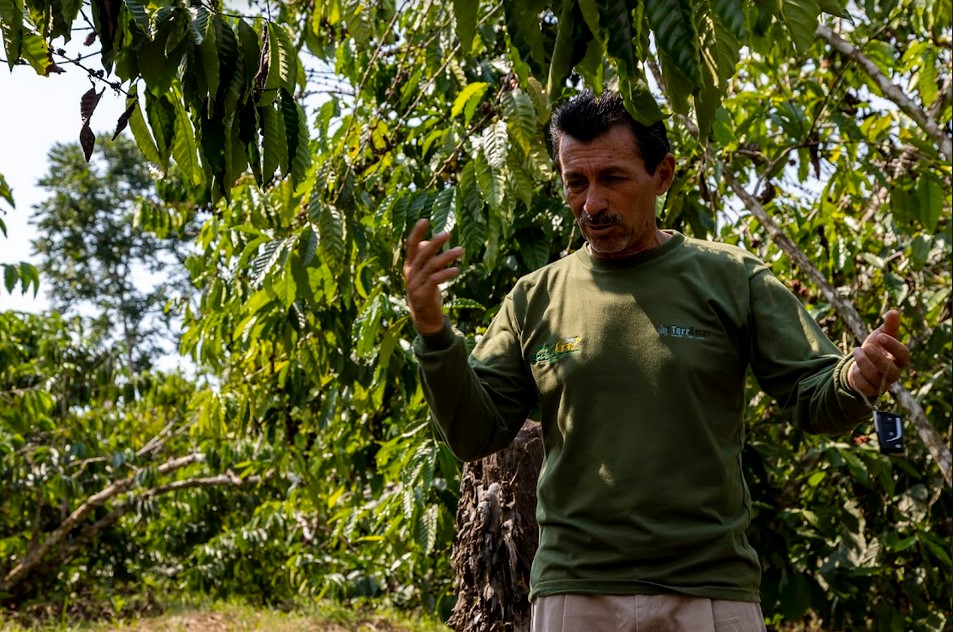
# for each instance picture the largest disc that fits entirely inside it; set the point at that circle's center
(497, 537)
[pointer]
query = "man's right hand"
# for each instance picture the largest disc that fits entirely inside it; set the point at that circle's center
(425, 268)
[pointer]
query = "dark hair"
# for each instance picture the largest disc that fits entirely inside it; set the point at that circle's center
(588, 116)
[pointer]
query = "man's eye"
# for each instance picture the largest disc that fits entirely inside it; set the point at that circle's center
(575, 185)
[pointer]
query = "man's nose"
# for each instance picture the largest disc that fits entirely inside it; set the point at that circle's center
(595, 200)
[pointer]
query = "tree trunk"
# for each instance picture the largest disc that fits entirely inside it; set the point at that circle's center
(497, 537)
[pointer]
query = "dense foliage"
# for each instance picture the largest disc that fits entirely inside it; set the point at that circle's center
(95, 257)
(308, 137)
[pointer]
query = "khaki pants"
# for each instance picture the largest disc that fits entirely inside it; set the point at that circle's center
(644, 613)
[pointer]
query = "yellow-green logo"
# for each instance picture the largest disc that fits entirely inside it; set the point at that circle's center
(555, 351)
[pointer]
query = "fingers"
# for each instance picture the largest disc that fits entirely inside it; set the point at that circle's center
(423, 255)
(895, 350)
(885, 341)
(880, 359)
(425, 268)
(427, 260)
(891, 324)
(858, 376)
(413, 241)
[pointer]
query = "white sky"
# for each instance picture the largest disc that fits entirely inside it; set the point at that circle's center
(35, 113)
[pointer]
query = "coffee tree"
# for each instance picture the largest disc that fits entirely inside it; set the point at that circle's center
(310, 136)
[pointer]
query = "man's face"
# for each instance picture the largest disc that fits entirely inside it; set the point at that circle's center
(611, 194)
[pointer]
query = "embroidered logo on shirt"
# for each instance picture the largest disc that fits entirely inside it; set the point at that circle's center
(556, 351)
(674, 331)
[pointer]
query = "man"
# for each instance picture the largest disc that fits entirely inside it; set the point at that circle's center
(635, 348)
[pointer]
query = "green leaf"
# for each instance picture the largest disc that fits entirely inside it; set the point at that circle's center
(919, 251)
(639, 101)
(525, 32)
(29, 275)
(328, 224)
(289, 114)
(428, 528)
(301, 161)
(157, 65)
(9, 277)
(521, 118)
(367, 327)
(678, 87)
(161, 114)
(287, 59)
(572, 41)
(835, 7)
(719, 55)
(250, 50)
(139, 14)
(468, 99)
(938, 546)
(731, 14)
(175, 33)
(519, 183)
(37, 53)
(271, 254)
(590, 13)
(465, 14)
(232, 61)
(198, 23)
(615, 23)
(440, 212)
(801, 19)
(208, 49)
(268, 78)
(184, 149)
(140, 131)
(5, 192)
(671, 21)
(927, 77)
(495, 144)
(11, 24)
(470, 217)
(274, 141)
(490, 181)
(284, 287)
(592, 67)
(930, 198)
(213, 146)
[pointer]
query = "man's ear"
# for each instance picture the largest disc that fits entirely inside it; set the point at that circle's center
(664, 174)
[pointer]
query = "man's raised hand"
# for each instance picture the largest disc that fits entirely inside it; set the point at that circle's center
(879, 360)
(425, 268)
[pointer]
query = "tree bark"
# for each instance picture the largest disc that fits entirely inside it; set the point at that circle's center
(497, 537)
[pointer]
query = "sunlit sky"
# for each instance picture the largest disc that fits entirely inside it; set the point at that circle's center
(35, 113)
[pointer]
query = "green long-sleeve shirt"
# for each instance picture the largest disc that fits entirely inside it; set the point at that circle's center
(638, 367)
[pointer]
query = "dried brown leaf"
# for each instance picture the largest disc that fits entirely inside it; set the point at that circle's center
(87, 140)
(88, 103)
(124, 119)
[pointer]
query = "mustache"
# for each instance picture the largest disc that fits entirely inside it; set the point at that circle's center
(602, 219)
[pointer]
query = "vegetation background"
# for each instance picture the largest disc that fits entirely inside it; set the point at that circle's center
(280, 152)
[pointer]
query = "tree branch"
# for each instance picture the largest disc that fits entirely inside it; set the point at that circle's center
(889, 90)
(928, 434)
(87, 534)
(156, 443)
(35, 555)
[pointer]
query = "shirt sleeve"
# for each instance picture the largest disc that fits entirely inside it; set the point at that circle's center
(795, 362)
(479, 404)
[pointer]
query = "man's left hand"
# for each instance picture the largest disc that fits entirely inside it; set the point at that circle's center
(880, 359)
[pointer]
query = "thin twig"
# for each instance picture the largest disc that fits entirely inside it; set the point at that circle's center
(889, 90)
